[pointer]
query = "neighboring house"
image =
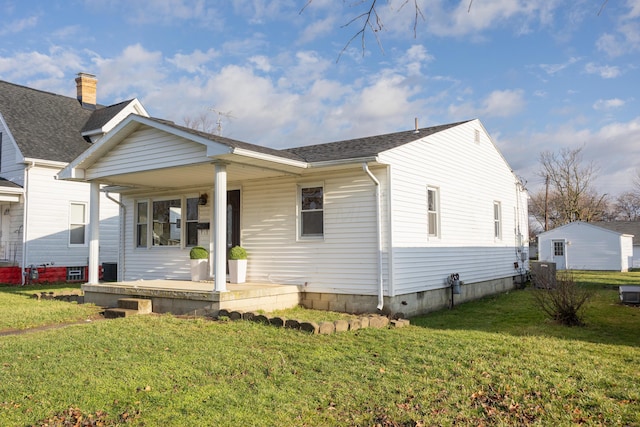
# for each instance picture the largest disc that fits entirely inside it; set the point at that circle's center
(358, 224)
(626, 227)
(585, 246)
(43, 220)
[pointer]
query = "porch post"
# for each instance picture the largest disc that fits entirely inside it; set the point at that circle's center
(94, 233)
(220, 227)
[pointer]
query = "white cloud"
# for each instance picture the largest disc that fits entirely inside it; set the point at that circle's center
(604, 71)
(19, 25)
(317, 29)
(499, 103)
(555, 68)
(261, 62)
(607, 104)
(193, 62)
(626, 38)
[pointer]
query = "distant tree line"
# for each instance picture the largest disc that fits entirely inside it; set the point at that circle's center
(569, 193)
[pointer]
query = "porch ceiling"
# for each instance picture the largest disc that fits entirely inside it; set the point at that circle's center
(195, 175)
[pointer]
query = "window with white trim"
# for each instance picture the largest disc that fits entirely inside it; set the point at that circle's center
(141, 224)
(433, 212)
(77, 223)
(497, 220)
(167, 222)
(311, 211)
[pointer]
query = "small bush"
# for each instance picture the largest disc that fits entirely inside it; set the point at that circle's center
(198, 252)
(563, 300)
(237, 252)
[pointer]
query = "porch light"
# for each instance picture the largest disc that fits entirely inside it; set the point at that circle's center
(202, 200)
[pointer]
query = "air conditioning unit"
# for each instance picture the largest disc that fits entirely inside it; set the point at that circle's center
(630, 294)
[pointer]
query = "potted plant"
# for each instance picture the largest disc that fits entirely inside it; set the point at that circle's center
(199, 263)
(237, 264)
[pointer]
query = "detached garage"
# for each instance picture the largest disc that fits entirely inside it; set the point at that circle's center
(583, 246)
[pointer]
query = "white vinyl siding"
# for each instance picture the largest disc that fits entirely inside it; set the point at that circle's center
(469, 176)
(48, 222)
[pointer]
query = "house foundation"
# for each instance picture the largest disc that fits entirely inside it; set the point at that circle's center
(409, 305)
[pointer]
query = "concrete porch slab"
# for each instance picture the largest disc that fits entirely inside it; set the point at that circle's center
(186, 297)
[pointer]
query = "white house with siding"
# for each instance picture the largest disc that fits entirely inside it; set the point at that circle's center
(43, 220)
(583, 246)
(372, 223)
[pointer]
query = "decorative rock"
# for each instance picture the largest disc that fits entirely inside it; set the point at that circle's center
(355, 324)
(341, 325)
(378, 321)
(397, 316)
(292, 324)
(394, 323)
(364, 322)
(326, 328)
(249, 315)
(235, 315)
(277, 321)
(223, 313)
(260, 318)
(310, 327)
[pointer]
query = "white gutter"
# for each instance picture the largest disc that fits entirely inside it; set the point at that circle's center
(25, 217)
(365, 167)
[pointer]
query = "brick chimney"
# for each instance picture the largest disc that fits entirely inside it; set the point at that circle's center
(86, 89)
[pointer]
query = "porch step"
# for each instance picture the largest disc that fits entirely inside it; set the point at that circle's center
(129, 307)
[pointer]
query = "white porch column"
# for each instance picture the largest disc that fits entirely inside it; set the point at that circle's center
(220, 227)
(94, 233)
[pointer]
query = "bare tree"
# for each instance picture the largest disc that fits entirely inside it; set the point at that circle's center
(569, 194)
(202, 121)
(627, 206)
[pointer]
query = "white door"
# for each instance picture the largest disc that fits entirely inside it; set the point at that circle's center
(559, 254)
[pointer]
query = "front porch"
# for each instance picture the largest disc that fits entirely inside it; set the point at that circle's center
(186, 297)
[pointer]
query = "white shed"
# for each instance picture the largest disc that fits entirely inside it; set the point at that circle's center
(583, 246)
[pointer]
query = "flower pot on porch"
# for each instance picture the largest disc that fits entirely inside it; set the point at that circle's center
(237, 270)
(199, 264)
(237, 265)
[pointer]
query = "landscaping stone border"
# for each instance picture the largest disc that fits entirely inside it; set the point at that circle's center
(321, 328)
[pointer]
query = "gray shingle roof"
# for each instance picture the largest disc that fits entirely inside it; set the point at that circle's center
(48, 126)
(623, 227)
(363, 147)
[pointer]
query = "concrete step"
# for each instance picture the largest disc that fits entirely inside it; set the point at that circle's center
(114, 313)
(141, 305)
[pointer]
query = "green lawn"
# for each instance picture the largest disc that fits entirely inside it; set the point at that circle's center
(497, 361)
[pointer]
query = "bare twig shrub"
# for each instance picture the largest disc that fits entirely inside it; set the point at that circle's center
(564, 300)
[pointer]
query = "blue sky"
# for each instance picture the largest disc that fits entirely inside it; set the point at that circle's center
(540, 74)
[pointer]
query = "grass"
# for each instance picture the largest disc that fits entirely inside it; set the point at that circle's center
(19, 311)
(497, 361)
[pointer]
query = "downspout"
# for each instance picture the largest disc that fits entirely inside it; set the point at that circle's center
(25, 217)
(122, 224)
(365, 167)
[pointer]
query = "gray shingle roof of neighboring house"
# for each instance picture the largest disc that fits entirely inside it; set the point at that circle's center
(5, 183)
(363, 147)
(623, 227)
(48, 126)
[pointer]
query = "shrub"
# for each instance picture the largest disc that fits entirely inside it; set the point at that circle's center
(198, 252)
(564, 300)
(237, 252)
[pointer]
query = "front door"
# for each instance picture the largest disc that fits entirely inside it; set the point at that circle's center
(233, 218)
(559, 254)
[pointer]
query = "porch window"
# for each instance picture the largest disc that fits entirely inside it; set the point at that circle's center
(77, 223)
(312, 211)
(433, 212)
(497, 220)
(141, 224)
(167, 217)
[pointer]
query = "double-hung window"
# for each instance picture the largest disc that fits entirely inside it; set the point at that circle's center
(311, 211)
(77, 223)
(166, 216)
(497, 220)
(433, 212)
